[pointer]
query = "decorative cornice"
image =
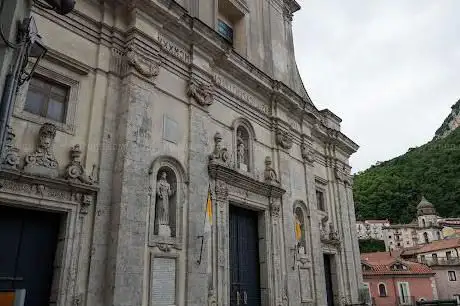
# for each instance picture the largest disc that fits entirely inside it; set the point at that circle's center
(236, 178)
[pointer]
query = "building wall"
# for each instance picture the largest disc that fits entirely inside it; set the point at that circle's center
(131, 112)
(410, 236)
(447, 289)
(440, 253)
(419, 287)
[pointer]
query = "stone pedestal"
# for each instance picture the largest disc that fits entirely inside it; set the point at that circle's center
(164, 230)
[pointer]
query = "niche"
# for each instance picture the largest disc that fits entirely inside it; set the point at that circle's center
(165, 203)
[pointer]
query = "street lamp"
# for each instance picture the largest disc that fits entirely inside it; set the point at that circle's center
(29, 46)
(61, 7)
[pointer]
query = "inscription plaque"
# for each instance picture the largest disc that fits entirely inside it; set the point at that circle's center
(170, 129)
(305, 290)
(163, 282)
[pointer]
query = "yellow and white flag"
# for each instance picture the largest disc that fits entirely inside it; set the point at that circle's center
(208, 214)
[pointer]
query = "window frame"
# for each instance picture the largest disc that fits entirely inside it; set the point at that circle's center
(65, 77)
(402, 298)
(385, 290)
(47, 94)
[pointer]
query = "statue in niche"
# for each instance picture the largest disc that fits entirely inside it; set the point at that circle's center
(269, 173)
(241, 151)
(42, 161)
(164, 192)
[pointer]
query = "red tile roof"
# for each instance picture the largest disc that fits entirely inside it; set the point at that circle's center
(380, 263)
(440, 245)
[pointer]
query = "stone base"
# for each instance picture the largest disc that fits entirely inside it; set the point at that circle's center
(164, 230)
(243, 167)
(41, 171)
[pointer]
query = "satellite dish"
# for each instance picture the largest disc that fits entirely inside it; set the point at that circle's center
(448, 232)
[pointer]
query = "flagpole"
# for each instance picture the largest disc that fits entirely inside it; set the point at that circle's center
(204, 224)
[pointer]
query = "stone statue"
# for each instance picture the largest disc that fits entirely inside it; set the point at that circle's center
(269, 173)
(219, 154)
(42, 161)
(333, 235)
(323, 231)
(74, 170)
(164, 192)
(240, 150)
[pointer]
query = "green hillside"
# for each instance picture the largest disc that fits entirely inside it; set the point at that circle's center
(392, 189)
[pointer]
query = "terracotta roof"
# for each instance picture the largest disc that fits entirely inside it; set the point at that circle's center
(440, 245)
(381, 263)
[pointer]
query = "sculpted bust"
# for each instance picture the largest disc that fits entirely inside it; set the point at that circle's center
(42, 160)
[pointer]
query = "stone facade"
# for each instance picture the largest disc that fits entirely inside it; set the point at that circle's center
(160, 110)
(371, 229)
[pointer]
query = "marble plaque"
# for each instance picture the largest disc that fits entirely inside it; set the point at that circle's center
(170, 129)
(163, 282)
(305, 285)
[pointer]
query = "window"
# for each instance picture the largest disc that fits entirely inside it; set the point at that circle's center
(389, 237)
(457, 298)
(404, 293)
(422, 258)
(452, 276)
(382, 290)
(398, 267)
(225, 30)
(47, 98)
(423, 223)
(434, 257)
(449, 255)
(399, 244)
(425, 237)
(320, 200)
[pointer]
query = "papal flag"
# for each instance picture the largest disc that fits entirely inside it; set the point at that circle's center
(208, 214)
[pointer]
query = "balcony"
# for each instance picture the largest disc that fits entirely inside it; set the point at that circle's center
(440, 261)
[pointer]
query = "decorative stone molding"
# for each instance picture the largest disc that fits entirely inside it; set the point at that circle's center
(10, 158)
(221, 191)
(219, 154)
(275, 209)
(212, 300)
(149, 68)
(284, 139)
(42, 161)
(339, 176)
(74, 170)
(42, 188)
(328, 234)
(230, 176)
(308, 153)
(202, 93)
(269, 173)
(164, 247)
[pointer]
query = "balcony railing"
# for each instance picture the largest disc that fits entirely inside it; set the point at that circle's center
(440, 261)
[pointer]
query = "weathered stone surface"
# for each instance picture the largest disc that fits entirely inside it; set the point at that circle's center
(162, 103)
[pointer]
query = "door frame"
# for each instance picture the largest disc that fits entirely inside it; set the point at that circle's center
(72, 203)
(263, 284)
(270, 238)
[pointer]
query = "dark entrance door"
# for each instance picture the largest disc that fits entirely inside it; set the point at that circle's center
(28, 242)
(244, 257)
(328, 274)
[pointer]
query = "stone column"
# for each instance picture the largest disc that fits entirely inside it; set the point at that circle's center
(348, 232)
(351, 212)
(222, 247)
(277, 247)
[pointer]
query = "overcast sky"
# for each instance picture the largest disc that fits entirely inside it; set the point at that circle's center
(389, 68)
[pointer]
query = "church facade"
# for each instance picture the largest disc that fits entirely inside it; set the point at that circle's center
(168, 154)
